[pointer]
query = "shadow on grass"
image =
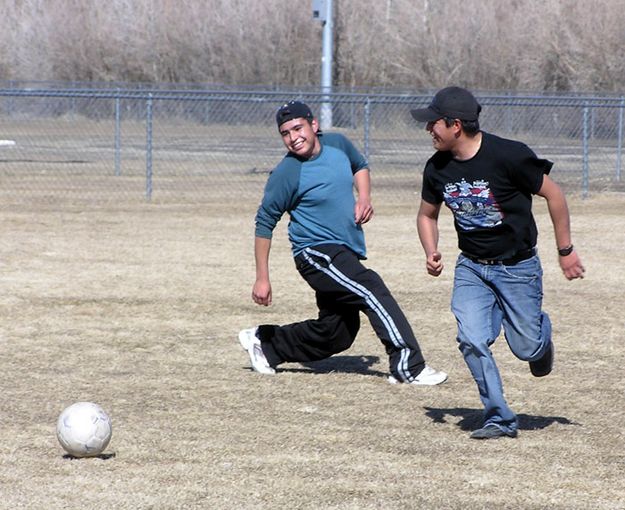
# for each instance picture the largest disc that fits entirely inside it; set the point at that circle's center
(102, 456)
(338, 364)
(471, 419)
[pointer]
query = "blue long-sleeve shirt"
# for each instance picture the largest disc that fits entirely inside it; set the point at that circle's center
(318, 195)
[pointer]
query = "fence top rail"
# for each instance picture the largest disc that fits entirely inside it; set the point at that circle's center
(502, 99)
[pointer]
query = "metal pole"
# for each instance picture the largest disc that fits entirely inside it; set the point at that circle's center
(619, 150)
(325, 117)
(10, 100)
(585, 134)
(367, 127)
(508, 114)
(148, 149)
(72, 102)
(118, 143)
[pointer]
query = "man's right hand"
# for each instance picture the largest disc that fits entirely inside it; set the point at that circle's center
(434, 264)
(261, 292)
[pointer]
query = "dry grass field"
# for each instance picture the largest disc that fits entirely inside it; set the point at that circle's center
(136, 306)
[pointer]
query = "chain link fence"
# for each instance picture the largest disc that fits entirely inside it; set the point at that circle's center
(199, 145)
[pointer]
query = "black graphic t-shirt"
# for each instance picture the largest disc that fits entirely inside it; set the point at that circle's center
(490, 195)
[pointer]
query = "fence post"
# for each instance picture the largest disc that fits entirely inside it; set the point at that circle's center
(10, 103)
(619, 150)
(352, 115)
(585, 134)
(367, 126)
(148, 149)
(72, 102)
(508, 114)
(118, 142)
(207, 110)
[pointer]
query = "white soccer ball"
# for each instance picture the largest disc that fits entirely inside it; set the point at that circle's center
(84, 429)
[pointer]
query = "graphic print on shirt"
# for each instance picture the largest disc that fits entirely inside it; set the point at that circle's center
(473, 205)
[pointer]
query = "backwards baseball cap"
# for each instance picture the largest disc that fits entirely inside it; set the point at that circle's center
(293, 110)
(451, 102)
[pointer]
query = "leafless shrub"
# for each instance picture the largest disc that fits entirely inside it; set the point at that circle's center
(559, 45)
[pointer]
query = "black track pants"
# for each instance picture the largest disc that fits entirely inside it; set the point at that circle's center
(343, 287)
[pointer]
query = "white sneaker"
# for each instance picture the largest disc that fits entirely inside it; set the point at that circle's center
(251, 343)
(246, 337)
(427, 377)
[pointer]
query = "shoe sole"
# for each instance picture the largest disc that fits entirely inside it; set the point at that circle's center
(492, 435)
(392, 380)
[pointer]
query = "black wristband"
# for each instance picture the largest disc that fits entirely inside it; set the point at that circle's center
(563, 252)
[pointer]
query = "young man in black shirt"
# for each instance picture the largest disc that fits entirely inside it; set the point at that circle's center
(488, 183)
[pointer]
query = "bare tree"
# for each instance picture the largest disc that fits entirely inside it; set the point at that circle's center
(487, 44)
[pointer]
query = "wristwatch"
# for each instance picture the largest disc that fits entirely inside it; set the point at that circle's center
(563, 252)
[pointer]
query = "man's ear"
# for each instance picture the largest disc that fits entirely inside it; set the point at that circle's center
(457, 127)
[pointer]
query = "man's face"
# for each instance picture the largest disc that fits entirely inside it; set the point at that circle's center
(300, 137)
(443, 136)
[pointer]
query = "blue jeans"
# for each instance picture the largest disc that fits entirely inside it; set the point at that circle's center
(485, 298)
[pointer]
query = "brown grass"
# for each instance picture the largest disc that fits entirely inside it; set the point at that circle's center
(137, 306)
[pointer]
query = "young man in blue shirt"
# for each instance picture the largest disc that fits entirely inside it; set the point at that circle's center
(314, 183)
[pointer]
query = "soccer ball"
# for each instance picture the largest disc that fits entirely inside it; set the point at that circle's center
(84, 429)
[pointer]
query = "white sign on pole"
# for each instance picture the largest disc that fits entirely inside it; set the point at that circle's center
(319, 10)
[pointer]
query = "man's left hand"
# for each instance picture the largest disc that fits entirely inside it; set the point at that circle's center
(572, 266)
(363, 211)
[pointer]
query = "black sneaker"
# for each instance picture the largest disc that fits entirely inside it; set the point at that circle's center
(543, 366)
(491, 431)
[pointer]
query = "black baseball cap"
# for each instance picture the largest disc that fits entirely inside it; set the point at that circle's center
(293, 110)
(451, 102)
